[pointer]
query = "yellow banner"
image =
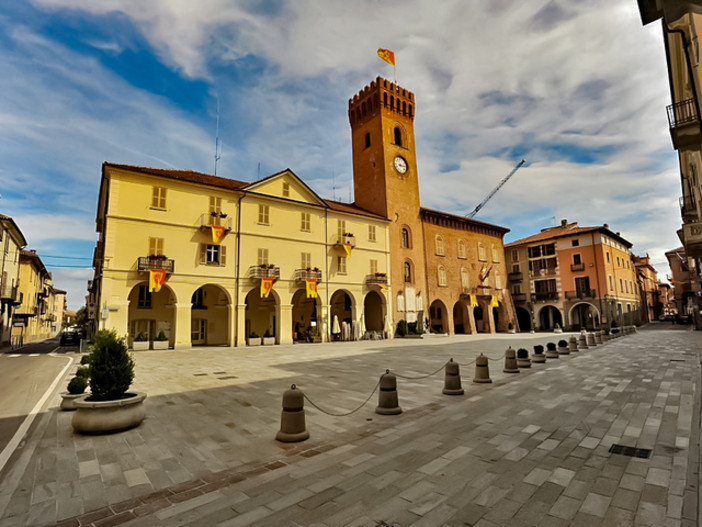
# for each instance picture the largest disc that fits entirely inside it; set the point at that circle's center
(387, 55)
(266, 286)
(473, 301)
(311, 287)
(347, 248)
(493, 301)
(157, 277)
(217, 233)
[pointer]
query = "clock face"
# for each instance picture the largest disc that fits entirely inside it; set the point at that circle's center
(400, 164)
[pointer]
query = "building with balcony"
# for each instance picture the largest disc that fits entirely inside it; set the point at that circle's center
(649, 290)
(12, 242)
(35, 319)
(681, 21)
(572, 277)
(685, 273)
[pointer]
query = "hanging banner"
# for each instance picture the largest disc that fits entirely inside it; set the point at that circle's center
(217, 233)
(493, 301)
(387, 55)
(473, 301)
(311, 288)
(266, 286)
(157, 277)
(347, 248)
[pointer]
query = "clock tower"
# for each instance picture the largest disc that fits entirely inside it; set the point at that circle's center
(386, 183)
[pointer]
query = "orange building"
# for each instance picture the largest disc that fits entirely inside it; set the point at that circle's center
(573, 277)
(447, 271)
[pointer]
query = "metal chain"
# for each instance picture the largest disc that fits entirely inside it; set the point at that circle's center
(344, 414)
(503, 356)
(421, 377)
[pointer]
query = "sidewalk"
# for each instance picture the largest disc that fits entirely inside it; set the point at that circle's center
(529, 449)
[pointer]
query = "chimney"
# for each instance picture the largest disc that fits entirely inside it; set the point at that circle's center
(564, 223)
(606, 226)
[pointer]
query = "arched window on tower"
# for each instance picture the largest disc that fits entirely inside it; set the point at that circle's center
(385, 99)
(367, 140)
(398, 136)
(404, 108)
(406, 238)
(443, 282)
(408, 271)
(439, 245)
(363, 109)
(410, 111)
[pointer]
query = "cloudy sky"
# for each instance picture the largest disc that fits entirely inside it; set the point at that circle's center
(578, 89)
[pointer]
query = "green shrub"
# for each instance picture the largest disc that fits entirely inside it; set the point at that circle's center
(111, 367)
(267, 334)
(401, 328)
(522, 353)
(77, 385)
(85, 359)
(161, 336)
(254, 335)
(411, 328)
(562, 344)
(538, 349)
(141, 337)
(83, 372)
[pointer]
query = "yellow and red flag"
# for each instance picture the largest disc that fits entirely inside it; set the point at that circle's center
(494, 302)
(157, 277)
(387, 55)
(473, 301)
(311, 287)
(217, 233)
(347, 248)
(266, 286)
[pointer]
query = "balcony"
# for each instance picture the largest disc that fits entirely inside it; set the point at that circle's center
(684, 123)
(8, 292)
(692, 238)
(264, 271)
(515, 277)
(688, 211)
(346, 238)
(483, 290)
(575, 295)
(577, 267)
(377, 279)
(519, 297)
(545, 296)
(308, 274)
(536, 273)
(208, 219)
(152, 263)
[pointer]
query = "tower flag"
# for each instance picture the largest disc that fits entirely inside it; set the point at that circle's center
(389, 57)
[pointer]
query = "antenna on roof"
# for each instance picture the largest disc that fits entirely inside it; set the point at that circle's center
(259, 171)
(333, 187)
(217, 143)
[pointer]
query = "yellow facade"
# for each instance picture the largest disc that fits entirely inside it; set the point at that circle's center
(38, 315)
(11, 243)
(212, 295)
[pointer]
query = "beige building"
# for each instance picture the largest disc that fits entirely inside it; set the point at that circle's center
(272, 230)
(573, 277)
(12, 241)
(681, 21)
(649, 291)
(683, 277)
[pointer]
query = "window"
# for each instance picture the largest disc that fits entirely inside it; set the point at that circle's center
(398, 136)
(305, 221)
(211, 254)
(262, 256)
(481, 253)
(198, 298)
(611, 283)
(367, 140)
(516, 289)
(442, 276)
(371, 233)
(516, 268)
(575, 243)
(286, 189)
(373, 266)
(462, 249)
(515, 255)
(439, 245)
(215, 210)
(341, 228)
(607, 257)
(577, 259)
(535, 252)
(155, 246)
(406, 240)
(621, 285)
(158, 198)
(465, 278)
(263, 214)
(582, 285)
(495, 254)
(408, 272)
(341, 264)
(144, 301)
(306, 260)
(626, 286)
(618, 262)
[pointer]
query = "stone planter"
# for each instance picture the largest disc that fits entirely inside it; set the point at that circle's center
(140, 345)
(68, 400)
(268, 341)
(103, 417)
(160, 345)
(253, 341)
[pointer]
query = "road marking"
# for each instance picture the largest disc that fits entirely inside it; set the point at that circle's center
(13, 356)
(22, 430)
(33, 355)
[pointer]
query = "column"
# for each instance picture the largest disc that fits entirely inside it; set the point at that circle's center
(182, 326)
(284, 329)
(240, 330)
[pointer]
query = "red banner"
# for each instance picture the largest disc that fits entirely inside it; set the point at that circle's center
(266, 286)
(157, 277)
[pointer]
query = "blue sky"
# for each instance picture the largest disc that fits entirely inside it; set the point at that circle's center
(579, 91)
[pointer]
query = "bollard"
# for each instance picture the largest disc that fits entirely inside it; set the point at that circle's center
(590, 339)
(387, 396)
(538, 356)
(634, 330)
(582, 343)
(292, 419)
(598, 338)
(482, 370)
(452, 379)
(523, 360)
(551, 352)
(563, 348)
(511, 361)
(573, 345)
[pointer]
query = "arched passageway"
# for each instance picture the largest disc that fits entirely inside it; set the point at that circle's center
(374, 315)
(549, 316)
(481, 324)
(341, 316)
(438, 317)
(151, 314)
(261, 316)
(584, 316)
(305, 324)
(209, 316)
(523, 319)
(461, 322)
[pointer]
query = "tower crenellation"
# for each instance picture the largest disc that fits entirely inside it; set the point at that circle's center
(384, 94)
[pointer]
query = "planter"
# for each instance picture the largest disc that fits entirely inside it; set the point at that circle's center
(558, 330)
(140, 345)
(268, 341)
(103, 417)
(253, 342)
(160, 345)
(68, 400)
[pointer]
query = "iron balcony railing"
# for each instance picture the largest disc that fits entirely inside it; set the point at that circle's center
(264, 271)
(545, 295)
(572, 295)
(208, 219)
(519, 297)
(681, 113)
(577, 267)
(346, 238)
(151, 263)
(8, 292)
(549, 271)
(515, 277)
(308, 274)
(377, 279)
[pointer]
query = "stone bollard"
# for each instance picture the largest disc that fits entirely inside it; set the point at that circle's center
(582, 343)
(511, 361)
(523, 360)
(598, 338)
(563, 348)
(591, 340)
(292, 419)
(387, 396)
(452, 379)
(538, 356)
(551, 352)
(573, 345)
(482, 370)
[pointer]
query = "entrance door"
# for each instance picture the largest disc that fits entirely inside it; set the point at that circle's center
(198, 332)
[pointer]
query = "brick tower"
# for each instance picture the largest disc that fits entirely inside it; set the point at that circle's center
(385, 182)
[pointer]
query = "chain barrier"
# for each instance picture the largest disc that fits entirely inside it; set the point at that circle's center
(344, 414)
(503, 356)
(420, 377)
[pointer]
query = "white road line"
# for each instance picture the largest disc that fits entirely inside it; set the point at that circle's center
(13, 356)
(15, 441)
(33, 355)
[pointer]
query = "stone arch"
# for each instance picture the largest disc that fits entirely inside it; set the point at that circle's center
(342, 308)
(374, 313)
(262, 315)
(548, 317)
(305, 317)
(149, 314)
(461, 318)
(523, 319)
(438, 317)
(481, 324)
(210, 316)
(584, 315)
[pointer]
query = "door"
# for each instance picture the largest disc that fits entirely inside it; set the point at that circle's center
(198, 332)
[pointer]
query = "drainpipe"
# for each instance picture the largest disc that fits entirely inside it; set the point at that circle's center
(236, 276)
(597, 275)
(326, 270)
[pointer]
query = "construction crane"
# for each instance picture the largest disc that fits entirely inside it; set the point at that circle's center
(498, 187)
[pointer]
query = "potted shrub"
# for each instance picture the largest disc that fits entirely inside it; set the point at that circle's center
(510, 328)
(254, 339)
(268, 339)
(109, 407)
(557, 329)
(401, 328)
(141, 342)
(75, 390)
(161, 341)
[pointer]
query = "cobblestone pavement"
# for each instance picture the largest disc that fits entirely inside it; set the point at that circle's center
(528, 449)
